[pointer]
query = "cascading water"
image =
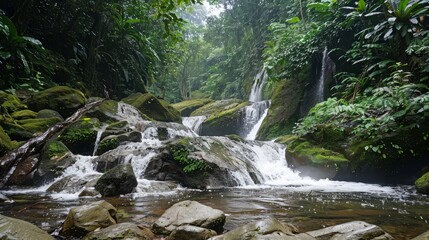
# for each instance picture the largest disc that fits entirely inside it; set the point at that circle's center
(258, 110)
(194, 123)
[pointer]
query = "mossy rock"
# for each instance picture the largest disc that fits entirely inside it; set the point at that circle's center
(312, 160)
(62, 99)
(10, 103)
(225, 122)
(23, 114)
(216, 107)
(235, 137)
(5, 142)
(284, 109)
(187, 107)
(153, 107)
(80, 137)
(422, 184)
(37, 125)
(105, 112)
(49, 113)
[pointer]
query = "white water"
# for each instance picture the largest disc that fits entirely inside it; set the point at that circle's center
(320, 90)
(194, 123)
(258, 85)
(97, 140)
(255, 118)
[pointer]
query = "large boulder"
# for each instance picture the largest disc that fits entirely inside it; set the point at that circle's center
(49, 113)
(187, 107)
(68, 184)
(15, 229)
(118, 180)
(105, 112)
(23, 114)
(191, 232)
(216, 107)
(62, 99)
(422, 184)
(355, 230)
(189, 213)
(153, 107)
(125, 231)
(5, 143)
(84, 219)
(265, 229)
(80, 137)
(23, 170)
(423, 236)
(10, 103)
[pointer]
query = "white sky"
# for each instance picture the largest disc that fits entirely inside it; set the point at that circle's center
(212, 10)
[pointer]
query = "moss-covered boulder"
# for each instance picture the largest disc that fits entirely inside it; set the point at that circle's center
(422, 184)
(49, 113)
(187, 107)
(118, 180)
(216, 107)
(5, 142)
(12, 228)
(105, 112)
(153, 107)
(10, 103)
(284, 109)
(312, 160)
(225, 122)
(23, 114)
(37, 125)
(113, 141)
(62, 99)
(80, 137)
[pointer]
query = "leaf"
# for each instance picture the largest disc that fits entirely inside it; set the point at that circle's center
(32, 41)
(388, 34)
(5, 55)
(361, 5)
(293, 20)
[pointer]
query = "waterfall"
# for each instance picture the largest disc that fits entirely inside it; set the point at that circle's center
(258, 110)
(98, 138)
(194, 123)
(320, 90)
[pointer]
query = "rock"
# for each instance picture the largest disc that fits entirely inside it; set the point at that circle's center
(69, 184)
(189, 213)
(216, 107)
(113, 141)
(89, 192)
(49, 113)
(265, 229)
(423, 236)
(187, 107)
(15, 229)
(351, 231)
(126, 231)
(24, 114)
(225, 122)
(191, 232)
(152, 107)
(5, 142)
(23, 170)
(311, 160)
(105, 112)
(422, 184)
(37, 125)
(10, 103)
(118, 180)
(55, 158)
(80, 137)
(84, 219)
(62, 99)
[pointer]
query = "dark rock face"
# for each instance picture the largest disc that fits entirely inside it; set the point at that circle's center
(84, 219)
(118, 180)
(62, 99)
(189, 213)
(23, 170)
(12, 229)
(126, 231)
(80, 137)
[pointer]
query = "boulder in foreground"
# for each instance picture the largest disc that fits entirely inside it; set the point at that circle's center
(12, 228)
(128, 231)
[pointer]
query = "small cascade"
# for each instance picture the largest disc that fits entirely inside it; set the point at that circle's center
(194, 123)
(97, 140)
(253, 133)
(128, 113)
(258, 85)
(320, 90)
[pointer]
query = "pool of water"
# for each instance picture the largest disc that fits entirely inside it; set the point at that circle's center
(398, 210)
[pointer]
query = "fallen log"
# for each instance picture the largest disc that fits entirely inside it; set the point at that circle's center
(11, 159)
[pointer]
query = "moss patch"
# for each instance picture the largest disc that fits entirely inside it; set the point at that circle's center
(107, 144)
(187, 107)
(422, 184)
(24, 114)
(10, 103)
(56, 149)
(216, 107)
(190, 166)
(105, 111)
(5, 142)
(38, 124)
(153, 108)
(227, 115)
(80, 137)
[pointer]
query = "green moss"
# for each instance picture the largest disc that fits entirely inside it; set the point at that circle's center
(117, 125)
(5, 142)
(216, 107)
(189, 165)
(235, 137)
(56, 149)
(80, 137)
(38, 124)
(24, 114)
(152, 107)
(107, 144)
(49, 113)
(287, 139)
(230, 114)
(10, 103)
(187, 107)
(422, 184)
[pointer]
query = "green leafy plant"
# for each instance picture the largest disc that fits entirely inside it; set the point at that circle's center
(189, 165)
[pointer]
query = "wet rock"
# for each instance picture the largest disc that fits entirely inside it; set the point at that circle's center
(216, 107)
(157, 186)
(113, 141)
(191, 232)
(189, 213)
(69, 184)
(105, 112)
(128, 231)
(266, 229)
(153, 107)
(423, 236)
(118, 180)
(23, 170)
(352, 231)
(187, 107)
(62, 99)
(15, 229)
(49, 113)
(80, 137)
(89, 192)
(84, 219)
(422, 184)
